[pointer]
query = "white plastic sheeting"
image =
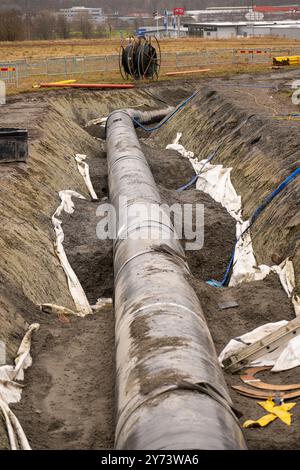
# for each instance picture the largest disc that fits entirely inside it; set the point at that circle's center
(11, 391)
(215, 180)
(103, 304)
(58, 310)
(296, 303)
(283, 358)
(84, 170)
(99, 121)
(80, 300)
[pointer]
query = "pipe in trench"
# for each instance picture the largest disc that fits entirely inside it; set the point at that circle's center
(171, 392)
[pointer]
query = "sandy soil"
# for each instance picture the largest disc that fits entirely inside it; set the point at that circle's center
(68, 402)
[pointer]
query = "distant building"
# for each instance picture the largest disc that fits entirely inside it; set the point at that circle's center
(227, 30)
(255, 13)
(161, 31)
(218, 14)
(94, 14)
(277, 9)
(9, 6)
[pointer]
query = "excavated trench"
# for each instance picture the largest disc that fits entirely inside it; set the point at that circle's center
(69, 399)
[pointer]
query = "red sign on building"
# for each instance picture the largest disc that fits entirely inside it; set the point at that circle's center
(178, 11)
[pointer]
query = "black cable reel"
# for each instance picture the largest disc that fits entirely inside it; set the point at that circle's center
(140, 58)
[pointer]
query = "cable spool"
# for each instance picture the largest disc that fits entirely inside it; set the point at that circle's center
(140, 58)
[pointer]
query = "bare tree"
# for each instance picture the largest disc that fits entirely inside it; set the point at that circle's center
(63, 27)
(44, 25)
(84, 25)
(102, 30)
(28, 26)
(125, 6)
(11, 26)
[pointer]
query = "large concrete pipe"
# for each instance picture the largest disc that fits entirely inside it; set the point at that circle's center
(171, 393)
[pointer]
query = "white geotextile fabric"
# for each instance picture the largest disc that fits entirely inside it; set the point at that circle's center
(283, 358)
(53, 309)
(102, 304)
(98, 121)
(11, 391)
(84, 170)
(215, 180)
(80, 300)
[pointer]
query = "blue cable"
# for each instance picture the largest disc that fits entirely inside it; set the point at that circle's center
(151, 129)
(273, 195)
(253, 219)
(242, 85)
(288, 115)
(194, 179)
(211, 156)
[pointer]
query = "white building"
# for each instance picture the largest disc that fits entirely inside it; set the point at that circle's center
(94, 14)
(161, 31)
(286, 31)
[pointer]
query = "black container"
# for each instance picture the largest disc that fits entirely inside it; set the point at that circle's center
(13, 145)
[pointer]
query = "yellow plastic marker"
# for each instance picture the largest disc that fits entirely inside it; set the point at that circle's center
(62, 82)
(275, 411)
(281, 411)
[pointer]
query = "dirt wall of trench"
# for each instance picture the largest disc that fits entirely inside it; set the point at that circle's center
(29, 269)
(30, 272)
(262, 153)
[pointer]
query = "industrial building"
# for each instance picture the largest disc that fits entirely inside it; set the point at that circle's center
(94, 14)
(227, 30)
(242, 13)
(162, 31)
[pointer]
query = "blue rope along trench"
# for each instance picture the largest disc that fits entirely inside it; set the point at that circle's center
(197, 175)
(164, 121)
(255, 216)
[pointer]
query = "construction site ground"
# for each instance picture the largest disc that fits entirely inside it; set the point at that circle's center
(68, 400)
